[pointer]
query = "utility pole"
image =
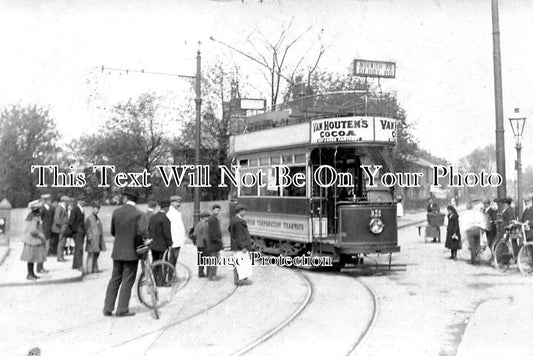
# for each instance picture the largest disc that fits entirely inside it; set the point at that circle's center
(500, 137)
(198, 101)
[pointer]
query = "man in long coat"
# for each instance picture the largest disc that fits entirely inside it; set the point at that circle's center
(95, 239)
(77, 226)
(126, 228)
(240, 236)
(214, 242)
(200, 239)
(159, 231)
(60, 227)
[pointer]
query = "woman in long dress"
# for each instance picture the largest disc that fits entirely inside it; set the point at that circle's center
(453, 233)
(34, 240)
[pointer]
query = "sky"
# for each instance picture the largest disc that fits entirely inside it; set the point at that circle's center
(443, 52)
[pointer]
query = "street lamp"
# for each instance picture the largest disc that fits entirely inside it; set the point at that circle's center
(517, 124)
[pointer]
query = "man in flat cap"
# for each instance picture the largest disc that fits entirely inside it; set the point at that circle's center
(177, 228)
(214, 243)
(240, 237)
(159, 233)
(60, 226)
(126, 228)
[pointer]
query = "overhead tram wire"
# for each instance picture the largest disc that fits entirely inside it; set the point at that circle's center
(142, 71)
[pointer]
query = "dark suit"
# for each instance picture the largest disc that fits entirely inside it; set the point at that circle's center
(47, 220)
(60, 227)
(159, 232)
(240, 237)
(528, 215)
(145, 221)
(508, 215)
(214, 242)
(491, 233)
(77, 226)
(126, 228)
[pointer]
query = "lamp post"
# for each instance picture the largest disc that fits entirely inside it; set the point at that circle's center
(517, 124)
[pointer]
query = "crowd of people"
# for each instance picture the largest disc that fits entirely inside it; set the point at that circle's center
(52, 222)
(486, 222)
(57, 227)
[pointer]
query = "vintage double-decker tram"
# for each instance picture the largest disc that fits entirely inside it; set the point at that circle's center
(320, 137)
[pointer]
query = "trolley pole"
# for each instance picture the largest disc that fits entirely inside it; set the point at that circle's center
(500, 137)
(198, 101)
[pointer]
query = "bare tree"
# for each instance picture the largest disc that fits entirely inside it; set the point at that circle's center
(274, 55)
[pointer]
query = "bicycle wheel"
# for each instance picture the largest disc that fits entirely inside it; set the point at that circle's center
(525, 258)
(143, 290)
(502, 255)
(166, 256)
(153, 294)
(165, 279)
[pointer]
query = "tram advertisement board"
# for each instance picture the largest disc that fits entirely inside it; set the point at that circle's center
(377, 69)
(282, 226)
(353, 129)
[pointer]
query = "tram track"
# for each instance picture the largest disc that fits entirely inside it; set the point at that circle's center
(170, 325)
(279, 327)
(362, 337)
(99, 321)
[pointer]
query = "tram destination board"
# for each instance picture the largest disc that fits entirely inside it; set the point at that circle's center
(377, 69)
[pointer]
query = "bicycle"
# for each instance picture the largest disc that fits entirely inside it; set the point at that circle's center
(504, 250)
(154, 279)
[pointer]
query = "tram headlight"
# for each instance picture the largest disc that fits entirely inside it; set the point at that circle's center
(376, 226)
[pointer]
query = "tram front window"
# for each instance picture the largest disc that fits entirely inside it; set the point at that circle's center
(346, 163)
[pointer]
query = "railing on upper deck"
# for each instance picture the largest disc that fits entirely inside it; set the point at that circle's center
(319, 106)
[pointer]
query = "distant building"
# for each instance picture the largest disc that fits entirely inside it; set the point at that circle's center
(417, 197)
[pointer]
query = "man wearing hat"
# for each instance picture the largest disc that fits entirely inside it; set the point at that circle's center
(177, 229)
(95, 239)
(126, 228)
(214, 242)
(527, 217)
(491, 214)
(47, 218)
(77, 226)
(240, 236)
(159, 230)
(200, 239)
(145, 219)
(508, 213)
(60, 226)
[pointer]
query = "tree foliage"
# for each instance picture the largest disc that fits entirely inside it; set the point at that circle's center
(482, 158)
(28, 136)
(134, 137)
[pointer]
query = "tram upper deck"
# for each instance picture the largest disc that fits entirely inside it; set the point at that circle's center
(319, 106)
